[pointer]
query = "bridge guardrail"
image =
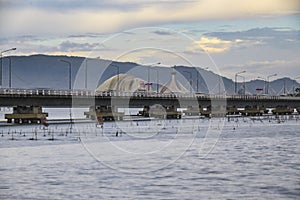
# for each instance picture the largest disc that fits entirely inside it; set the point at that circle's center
(52, 92)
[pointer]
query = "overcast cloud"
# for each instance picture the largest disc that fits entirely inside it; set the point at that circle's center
(235, 33)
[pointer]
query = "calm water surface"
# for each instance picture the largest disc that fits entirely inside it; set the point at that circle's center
(192, 159)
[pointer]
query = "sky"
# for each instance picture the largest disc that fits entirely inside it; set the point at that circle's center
(261, 37)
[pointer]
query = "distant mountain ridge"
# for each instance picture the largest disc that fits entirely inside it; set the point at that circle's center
(45, 71)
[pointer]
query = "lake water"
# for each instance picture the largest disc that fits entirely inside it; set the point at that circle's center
(188, 159)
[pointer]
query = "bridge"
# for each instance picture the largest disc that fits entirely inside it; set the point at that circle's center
(118, 99)
(86, 98)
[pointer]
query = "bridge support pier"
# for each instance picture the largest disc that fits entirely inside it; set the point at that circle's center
(282, 110)
(161, 112)
(255, 110)
(26, 114)
(105, 113)
(192, 111)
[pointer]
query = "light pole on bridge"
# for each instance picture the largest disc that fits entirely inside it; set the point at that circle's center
(235, 81)
(294, 83)
(244, 83)
(265, 82)
(148, 79)
(118, 71)
(157, 80)
(85, 74)
(9, 81)
(9, 72)
(268, 81)
(70, 72)
(197, 86)
(12, 49)
(190, 80)
(70, 87)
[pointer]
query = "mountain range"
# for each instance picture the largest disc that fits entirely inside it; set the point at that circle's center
(45, 71)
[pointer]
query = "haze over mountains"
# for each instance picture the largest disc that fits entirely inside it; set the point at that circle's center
(44, 71)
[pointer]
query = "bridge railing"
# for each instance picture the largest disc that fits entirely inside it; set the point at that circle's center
(138, 94)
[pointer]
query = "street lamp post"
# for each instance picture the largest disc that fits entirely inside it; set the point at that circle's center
(9, 72)
(265, 83)
(118, 71)
(244, 83)
(12, 49)
(294, 84)
(70, 87)
(198, 78)
(70, 72)
(197, 81)
(190, 80)
(268, 82)
(156, 79)
(148, 77)
(85, 74)
(235, 81)
(197, 86)
(219, 84)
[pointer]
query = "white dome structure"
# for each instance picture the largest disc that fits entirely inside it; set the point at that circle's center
(173, 86)
(125, 83)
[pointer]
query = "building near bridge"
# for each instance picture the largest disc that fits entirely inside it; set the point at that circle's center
(173, 86)
(125, 83)
(130, 83)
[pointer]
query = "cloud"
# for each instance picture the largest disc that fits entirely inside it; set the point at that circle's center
(68, 4)
(263, 68)
(88, 35)
(282, 38)
(266, 33)
(217, 45)
(219, 42)
(255, 65)
(27, 45)
(77, 27)
(210, 45)
(72, 46)
(20, 39)
(77, 16)
(67, 46)
(160, 32)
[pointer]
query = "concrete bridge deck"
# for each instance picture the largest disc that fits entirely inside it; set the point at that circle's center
(86, 98)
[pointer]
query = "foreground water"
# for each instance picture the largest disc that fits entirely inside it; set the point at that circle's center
(188, 159)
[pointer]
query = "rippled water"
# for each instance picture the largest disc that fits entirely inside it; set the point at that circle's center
(192, 159)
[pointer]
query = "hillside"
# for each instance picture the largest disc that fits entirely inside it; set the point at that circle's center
(44, 71)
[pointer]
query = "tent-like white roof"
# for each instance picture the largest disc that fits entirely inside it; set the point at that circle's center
(127, 83)
(173, 86)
